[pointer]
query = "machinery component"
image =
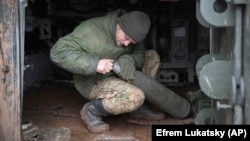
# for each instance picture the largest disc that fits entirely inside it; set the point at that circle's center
(220, 105)
(192, 96)
(159, 95)
(45, 29)
(168, 76)
(215, 13)
(237, 79)
(238, 115)
(205, 116)
(179, 42)
(199, 101)
(211, 116)
(236, 1)
(205, 59)
(168, 73)
(214, 81)
(35, 71)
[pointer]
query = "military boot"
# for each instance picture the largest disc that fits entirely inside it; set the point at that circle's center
(92, 113)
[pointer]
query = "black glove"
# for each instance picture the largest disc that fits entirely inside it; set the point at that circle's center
(127, 67)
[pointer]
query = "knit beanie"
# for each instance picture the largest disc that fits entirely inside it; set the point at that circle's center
(135, 24)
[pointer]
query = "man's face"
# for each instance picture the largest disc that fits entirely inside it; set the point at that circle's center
(121, 38)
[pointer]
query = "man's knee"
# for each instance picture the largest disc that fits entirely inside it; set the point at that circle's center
(152, 63)
(138, 98)
(126, 103)
(152, 54)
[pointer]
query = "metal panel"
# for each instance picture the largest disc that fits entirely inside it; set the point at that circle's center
(213, 13)
(38, 69)
(214, 81)
(246, 63)
(10, 71)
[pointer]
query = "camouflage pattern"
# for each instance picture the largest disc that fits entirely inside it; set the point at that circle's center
(120, 96)
(152, 63)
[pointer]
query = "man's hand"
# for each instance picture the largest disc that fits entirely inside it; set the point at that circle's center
(127, 67)
(105, 66)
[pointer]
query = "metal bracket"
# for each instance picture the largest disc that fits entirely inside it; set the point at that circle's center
(215, 13)
(45, 29)
(224, 13)
(236, 2)
(205, 59)
(214, 81)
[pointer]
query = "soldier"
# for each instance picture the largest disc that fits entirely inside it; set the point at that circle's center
(91, 51)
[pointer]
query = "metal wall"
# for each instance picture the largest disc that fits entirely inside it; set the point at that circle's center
(225, 44)
(246, 63)
(10, 74)
(226, 47)
(11, 64)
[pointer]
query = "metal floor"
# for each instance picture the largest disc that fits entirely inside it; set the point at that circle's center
(57, 107)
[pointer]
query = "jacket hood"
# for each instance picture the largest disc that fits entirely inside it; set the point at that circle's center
(112, 20)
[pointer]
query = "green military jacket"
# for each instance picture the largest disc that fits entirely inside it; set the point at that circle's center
(92, 40)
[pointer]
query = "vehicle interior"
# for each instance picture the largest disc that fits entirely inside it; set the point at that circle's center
(199, 60)
(50, 99)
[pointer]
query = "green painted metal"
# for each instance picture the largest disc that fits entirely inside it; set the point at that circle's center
(205, 59)
(194, 95)
(205, 117)
(236, 1)
(211, 116)
(199, 101)
(246, 65)
(208, 16)
(199, 16)
(216, 79)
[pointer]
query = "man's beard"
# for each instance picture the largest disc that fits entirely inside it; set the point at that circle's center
(118, 43)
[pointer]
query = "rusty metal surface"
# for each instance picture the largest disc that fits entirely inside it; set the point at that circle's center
(9, 85)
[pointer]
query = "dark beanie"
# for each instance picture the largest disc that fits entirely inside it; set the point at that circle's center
(135, 24)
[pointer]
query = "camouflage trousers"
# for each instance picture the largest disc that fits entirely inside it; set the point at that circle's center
(119, 96)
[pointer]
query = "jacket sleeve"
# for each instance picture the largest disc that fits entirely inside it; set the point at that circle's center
(68, 54)
(138, 54)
